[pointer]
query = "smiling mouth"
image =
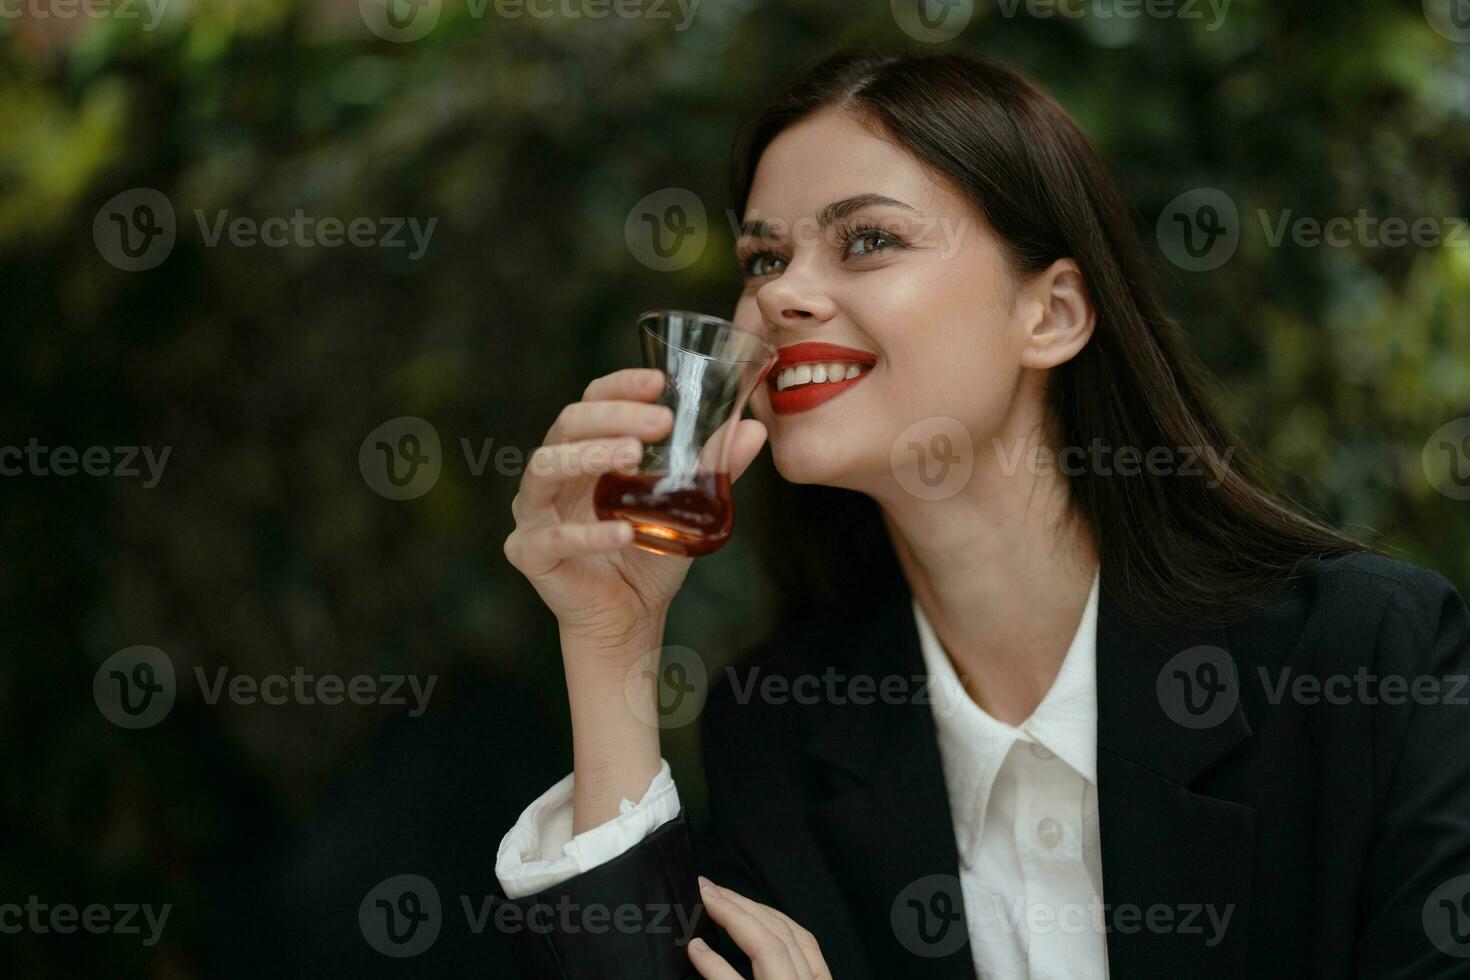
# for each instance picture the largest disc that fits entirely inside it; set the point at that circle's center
(807, 375)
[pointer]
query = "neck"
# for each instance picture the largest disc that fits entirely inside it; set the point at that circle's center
(1002, 570)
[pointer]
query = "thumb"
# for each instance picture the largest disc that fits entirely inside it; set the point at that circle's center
(750, 436)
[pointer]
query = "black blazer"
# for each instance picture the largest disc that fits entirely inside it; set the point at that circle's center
(1331, 824)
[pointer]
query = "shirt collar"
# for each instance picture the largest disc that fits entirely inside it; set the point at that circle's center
(973, 744)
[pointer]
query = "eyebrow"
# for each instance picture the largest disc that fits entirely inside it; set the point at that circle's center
(829, 214)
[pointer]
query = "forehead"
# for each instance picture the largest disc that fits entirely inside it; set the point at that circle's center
(830, 156)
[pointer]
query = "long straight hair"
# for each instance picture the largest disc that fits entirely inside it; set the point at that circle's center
(1174, 549)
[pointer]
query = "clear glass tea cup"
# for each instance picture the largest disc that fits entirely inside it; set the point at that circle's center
(678, 500)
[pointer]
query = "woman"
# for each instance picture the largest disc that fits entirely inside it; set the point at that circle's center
(1092, 702)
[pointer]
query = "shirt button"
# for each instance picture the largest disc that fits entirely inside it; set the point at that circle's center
(1049, 832)
(1041, 751)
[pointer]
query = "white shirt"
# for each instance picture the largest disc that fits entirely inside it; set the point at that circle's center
(1023, 801)
(1024, 804)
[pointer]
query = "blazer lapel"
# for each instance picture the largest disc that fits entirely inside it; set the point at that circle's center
(1176, 863)
(886, 824)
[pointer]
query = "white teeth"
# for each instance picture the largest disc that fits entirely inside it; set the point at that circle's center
(816, 374)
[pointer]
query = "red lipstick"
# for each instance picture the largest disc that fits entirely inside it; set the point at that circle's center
(811, 395)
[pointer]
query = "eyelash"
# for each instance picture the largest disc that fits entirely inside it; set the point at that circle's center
(846, 236)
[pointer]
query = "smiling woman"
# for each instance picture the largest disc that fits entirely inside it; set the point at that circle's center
(1050, 675)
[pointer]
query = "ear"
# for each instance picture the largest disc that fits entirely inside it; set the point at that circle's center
(1057, 315)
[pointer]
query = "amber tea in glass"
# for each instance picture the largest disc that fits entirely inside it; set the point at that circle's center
(678, 500)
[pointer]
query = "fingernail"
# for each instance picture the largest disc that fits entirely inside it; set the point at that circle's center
(707, 886)
(699, 944)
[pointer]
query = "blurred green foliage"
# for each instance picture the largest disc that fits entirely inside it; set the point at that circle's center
(527, 141)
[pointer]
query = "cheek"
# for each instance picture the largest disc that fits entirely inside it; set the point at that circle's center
(950, 350)
(747, 314)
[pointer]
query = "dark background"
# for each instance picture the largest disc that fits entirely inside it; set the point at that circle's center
(532, 143)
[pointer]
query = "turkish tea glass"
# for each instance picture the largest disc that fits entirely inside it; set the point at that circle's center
(678, 500)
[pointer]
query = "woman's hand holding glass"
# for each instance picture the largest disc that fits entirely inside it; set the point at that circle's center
(596, 584)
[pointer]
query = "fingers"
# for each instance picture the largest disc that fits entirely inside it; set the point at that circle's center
(615, 404)
(536, 551)
(590, 420)
(806, 946)
(639, 383)
(774, 956)
(805, 941)
(745, 438)
(550, 466)
(750, 436)
(593, 436)
(711, 965)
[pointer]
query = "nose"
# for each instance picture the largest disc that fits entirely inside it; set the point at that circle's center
(797, 298)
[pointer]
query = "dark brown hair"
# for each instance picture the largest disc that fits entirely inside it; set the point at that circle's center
(1173, 548)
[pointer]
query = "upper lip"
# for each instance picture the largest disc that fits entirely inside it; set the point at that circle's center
(812, 352)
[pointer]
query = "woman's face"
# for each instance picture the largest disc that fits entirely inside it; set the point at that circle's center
(862, 248)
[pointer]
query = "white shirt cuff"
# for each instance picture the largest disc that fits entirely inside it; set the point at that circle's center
(540, 851)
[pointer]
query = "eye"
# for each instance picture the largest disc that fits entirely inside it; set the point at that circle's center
(862, 242)
(760, 264)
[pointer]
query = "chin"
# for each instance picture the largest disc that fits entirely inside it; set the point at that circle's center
(811, 457)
